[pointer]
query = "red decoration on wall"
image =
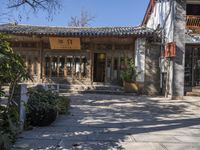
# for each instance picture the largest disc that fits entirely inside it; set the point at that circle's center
(170, 50)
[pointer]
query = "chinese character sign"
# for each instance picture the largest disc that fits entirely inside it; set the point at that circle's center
(65, 43)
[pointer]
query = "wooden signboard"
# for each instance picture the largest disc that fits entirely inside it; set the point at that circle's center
(65, 43)
(170, 50)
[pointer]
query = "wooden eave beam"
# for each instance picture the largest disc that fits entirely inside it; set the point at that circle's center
(148, 11)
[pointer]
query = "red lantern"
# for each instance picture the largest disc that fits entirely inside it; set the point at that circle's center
(170, 50)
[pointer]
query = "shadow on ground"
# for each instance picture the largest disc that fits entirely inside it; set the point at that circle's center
(107, 121)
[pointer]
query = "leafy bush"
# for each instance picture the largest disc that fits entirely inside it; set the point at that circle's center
(43, 107)
(12, 71)
(62, 104)
(9, 126)
(130, 73)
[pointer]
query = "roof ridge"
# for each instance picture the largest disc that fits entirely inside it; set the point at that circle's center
(75, 31)
(73, 27)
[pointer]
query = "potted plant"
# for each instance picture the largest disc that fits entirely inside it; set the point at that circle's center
(129, 75)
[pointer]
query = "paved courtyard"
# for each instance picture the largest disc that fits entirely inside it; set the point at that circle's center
(103, 122)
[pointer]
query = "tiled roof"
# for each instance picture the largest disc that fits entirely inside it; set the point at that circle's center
(75, 31)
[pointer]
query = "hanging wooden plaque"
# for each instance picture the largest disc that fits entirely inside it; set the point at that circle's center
(65, 43)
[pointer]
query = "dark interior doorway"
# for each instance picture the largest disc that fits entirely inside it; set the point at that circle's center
(99, 67)
(192, 67)
(193, 9)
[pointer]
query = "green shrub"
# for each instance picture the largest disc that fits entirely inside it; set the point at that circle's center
(9, 126)
(129, 73)
(62, 104)
(41, 107)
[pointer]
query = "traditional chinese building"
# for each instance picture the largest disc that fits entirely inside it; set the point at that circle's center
(178, 22)
(85, 55)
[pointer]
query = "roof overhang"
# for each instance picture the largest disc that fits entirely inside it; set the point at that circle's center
(76, 31)
(148, 11)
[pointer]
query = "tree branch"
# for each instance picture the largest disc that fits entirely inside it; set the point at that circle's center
(18, 4)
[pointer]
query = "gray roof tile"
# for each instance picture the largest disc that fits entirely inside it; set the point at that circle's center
(75, 31)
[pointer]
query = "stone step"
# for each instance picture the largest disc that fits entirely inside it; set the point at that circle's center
(91, 90)
(196, 87)
(107, 92)
(97, 92)
(90, 87)
(193, 93)
(196, 90)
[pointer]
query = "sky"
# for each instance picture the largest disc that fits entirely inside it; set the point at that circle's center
(106, 12)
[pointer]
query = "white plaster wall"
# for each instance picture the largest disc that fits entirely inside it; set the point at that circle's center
(162, 11)
(163, 16)
(140, 58)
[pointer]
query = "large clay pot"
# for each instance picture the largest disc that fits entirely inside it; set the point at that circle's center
(140, 87)
(133, 87)
(130, 87)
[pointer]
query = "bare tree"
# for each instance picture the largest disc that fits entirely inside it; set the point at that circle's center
(82, 21)
(48, 5)
(24, 7)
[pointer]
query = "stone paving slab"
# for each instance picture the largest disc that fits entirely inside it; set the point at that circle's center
(142, 146)
(90, 145)
(117, 122)
(110, 137)
(188, 139)
(35, 144)
(155, 138)
(182, 146)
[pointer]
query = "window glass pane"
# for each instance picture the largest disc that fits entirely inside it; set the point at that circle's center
(122, 63)
(61, 67)
(69, 65)
(115, 63)
(47, 65)
(54, 67)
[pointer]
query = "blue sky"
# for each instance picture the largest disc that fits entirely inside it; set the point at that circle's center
(106, 12)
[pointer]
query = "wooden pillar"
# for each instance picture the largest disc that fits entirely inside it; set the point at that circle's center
(118, 68)
(72, 69)
(112, 63)
(92, 63)
(88, 78)
(40, 59)
(65, 68)
(58, 66)
(90, 66)
(32, 67)
(26, 63)
(43, 69)
(38, 69)
(106, 64)
(50, 67)
(80, 67)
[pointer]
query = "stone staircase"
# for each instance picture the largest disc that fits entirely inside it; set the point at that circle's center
(92, 89)
(195, 91)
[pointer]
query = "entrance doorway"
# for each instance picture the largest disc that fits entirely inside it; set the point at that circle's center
(99, 67)
(192, 67)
